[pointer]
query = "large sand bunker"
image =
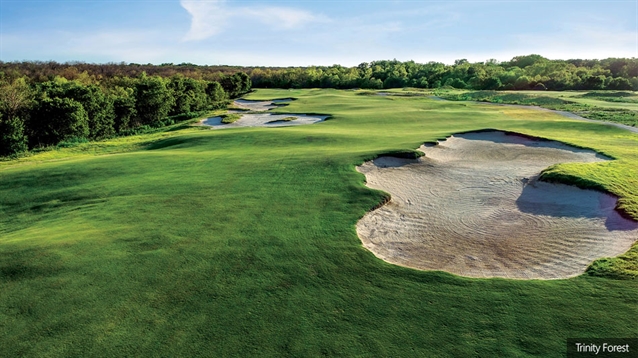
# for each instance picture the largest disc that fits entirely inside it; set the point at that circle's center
(473, 206)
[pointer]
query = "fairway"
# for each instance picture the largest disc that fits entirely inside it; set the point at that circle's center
(242, 242)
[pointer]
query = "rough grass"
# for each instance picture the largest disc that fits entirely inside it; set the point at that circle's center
(230, 118)
(592, 107)
(285, 119)
(242, 243)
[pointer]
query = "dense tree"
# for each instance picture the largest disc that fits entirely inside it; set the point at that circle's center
(153, 99)
(216, 95)
(12, 137)
(69, 102)
(239, 83)
(619, 83)
(56, 119)
(15, 97)
(124, 108)
(189, 94)
(97, 105)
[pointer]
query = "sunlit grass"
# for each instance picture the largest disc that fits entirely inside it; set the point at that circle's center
(195, 242)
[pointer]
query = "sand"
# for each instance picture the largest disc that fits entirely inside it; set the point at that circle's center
(473, 206)
(259, 105)
(264, 120)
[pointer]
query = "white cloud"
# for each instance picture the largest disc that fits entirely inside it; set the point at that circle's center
(209, 18)
(279, 16)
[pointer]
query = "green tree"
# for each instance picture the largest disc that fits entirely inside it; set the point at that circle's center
(246, 83)
(153, 99)
(190, 95)
(216, 95)
(124, 108)
(619, 84)
(524, 61)
(491, 83)
(456, 83)
(56, 119)
(594, 82)
(15, 97)
(98, 106)
(12, 138)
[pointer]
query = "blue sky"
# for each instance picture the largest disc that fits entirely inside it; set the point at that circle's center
(301, 33)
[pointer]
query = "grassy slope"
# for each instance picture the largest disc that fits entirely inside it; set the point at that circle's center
(242, 242)
(576, 96)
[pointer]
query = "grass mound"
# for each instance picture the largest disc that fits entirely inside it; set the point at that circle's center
(285, 119)
(230, 118)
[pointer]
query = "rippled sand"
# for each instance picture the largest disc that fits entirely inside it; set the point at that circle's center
(473, 206)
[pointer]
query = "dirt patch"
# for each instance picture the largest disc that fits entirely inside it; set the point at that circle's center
(473, 206)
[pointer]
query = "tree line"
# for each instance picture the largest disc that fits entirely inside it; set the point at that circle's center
(37, 112)
(532, 72)
(520, 73)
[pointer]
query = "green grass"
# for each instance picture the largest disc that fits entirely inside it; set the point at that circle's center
(606, 108)
(230, 118)
(242, 242)
(611, 96)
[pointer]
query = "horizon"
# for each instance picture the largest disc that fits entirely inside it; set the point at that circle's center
(303, 34)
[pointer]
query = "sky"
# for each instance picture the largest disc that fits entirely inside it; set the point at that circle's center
(311, 32)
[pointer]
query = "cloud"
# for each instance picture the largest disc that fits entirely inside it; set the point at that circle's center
(208, 18)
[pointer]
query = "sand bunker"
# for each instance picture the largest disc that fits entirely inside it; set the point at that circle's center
(473, 206)
(264, 120)
(260, 105)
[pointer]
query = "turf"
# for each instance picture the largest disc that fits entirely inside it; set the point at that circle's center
(193, 242)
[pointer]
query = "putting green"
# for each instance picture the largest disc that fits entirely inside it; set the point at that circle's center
(242, 242)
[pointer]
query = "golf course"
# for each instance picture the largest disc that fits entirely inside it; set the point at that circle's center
(193, 241)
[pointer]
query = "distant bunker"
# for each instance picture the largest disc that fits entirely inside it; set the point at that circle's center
(474, 206)
(263, 119)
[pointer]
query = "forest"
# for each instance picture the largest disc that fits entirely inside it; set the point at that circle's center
(59, 109)
(48, 103)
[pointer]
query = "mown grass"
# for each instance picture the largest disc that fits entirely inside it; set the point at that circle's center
(242, 243)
